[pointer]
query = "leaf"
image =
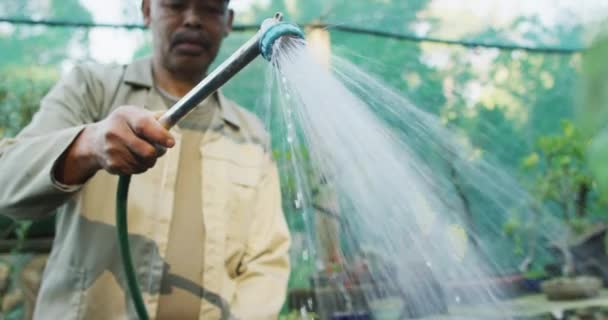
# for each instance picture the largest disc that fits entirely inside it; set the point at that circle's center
(568, 128)
(565, 160)
(546, 144)
(276, 154)
(531, 160)
(511, 226)
(598, 160)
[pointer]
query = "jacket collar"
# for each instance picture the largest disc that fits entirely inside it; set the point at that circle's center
(139, 74)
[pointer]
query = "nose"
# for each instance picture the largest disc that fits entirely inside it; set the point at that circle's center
(192, 18)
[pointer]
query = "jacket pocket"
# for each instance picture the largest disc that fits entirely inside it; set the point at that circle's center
(243, 183)
(241, 202)
(231, 174)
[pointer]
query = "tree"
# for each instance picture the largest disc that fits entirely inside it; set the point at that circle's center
(564, 181)
(28, 45)
(20, 96)
(30, 57)
(563, 177)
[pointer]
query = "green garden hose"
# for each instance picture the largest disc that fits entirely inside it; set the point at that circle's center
(122, 227)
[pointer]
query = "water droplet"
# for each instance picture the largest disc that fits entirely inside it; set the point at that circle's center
(321, 265)
(457, 299)
(305, 255)
(298, 201)
(290, 140)
(428, 264)
(310, 303)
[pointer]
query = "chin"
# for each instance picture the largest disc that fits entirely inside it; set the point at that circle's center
(191, 65)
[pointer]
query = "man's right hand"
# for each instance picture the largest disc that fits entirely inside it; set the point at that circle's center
(123, 143)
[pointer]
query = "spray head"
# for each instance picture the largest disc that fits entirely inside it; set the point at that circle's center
(273, 29)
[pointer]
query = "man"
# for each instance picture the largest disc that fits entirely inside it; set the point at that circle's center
(208, 235)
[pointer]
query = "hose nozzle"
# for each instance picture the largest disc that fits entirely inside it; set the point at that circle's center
(272, 29)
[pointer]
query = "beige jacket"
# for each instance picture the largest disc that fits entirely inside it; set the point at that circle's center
(246, 238)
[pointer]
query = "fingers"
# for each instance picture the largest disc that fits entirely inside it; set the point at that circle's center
(145, 125)
(141, 148)
(123, 162)
(132, 140)
(158, 114)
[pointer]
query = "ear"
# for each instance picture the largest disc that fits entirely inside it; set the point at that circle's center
(229, 21)
(145, 10)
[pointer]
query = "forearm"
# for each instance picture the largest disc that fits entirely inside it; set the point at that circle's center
(29, 189)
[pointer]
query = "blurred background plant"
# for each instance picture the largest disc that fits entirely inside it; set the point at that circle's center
(593, 117)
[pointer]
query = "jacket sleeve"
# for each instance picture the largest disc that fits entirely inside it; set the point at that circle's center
(264, 271)
(27, 161)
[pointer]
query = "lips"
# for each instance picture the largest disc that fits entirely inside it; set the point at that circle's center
(191, 44)
(190, 48)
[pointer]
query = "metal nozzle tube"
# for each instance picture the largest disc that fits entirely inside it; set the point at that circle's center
(211, 83)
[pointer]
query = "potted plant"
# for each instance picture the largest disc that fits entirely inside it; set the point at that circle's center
(565, 183)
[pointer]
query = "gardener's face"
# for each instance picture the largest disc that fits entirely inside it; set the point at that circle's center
(187, 34)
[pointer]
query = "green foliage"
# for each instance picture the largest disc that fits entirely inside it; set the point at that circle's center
(598, 158)
(17, 313)
(301, 274)
(562, 181)
(512, 229)
(296, 315)
(20, 95)
(535, 273)
(22, 232)
(563, 178)
(25, 45)
(594, 114)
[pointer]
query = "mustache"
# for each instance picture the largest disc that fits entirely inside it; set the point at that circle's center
(190, 36)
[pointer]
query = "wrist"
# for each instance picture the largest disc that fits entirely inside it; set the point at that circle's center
(78, 163)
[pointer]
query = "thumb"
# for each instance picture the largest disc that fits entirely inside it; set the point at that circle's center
(160, 150)
(158, 114)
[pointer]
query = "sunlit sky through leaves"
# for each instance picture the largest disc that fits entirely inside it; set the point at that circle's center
(449, 19)
(453, 19)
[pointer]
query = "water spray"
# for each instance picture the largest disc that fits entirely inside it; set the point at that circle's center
(271, 30)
